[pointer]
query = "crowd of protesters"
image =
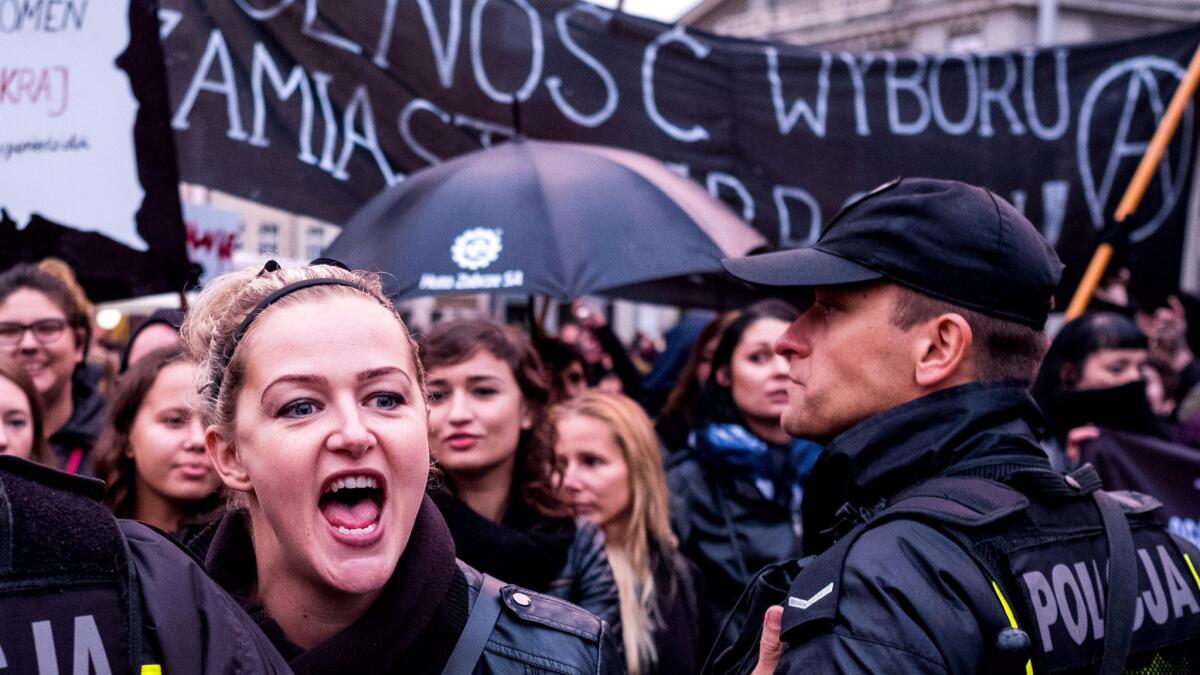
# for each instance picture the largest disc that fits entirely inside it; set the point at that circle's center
(290, 416)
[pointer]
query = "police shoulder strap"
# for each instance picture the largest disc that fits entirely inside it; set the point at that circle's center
(1122, 585)
(480, 623)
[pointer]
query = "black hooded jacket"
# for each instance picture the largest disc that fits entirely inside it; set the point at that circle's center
(908, 597)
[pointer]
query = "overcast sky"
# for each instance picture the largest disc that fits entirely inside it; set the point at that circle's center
(663, 10)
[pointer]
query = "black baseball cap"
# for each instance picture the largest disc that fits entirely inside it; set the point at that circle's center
(944, 239)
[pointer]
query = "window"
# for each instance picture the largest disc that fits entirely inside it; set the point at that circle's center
(314, 244)
(268, 239)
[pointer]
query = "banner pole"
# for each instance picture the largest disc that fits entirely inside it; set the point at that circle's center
(1137, 185)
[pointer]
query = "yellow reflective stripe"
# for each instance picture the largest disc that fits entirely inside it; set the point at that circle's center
(1192, 568)
(1012, 620)
(151, 669)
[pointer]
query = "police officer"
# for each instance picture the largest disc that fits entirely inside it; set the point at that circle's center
(944, 541)
(81, 592)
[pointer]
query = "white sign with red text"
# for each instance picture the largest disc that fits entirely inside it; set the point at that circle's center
(211, 238)
(67, 115)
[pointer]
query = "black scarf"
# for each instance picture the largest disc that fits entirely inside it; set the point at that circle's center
(525, 548)
(411, 628)
(1122, 408)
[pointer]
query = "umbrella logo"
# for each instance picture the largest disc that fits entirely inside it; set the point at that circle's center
(476, 248)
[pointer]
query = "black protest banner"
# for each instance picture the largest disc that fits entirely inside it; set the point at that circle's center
(1167, 471)
(87, 162)
(314, 107)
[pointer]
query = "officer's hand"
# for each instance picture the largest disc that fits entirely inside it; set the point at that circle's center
(769, 647)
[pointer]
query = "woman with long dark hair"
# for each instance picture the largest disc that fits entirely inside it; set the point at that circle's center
(488, 393)
(738, 482)
(151, 454)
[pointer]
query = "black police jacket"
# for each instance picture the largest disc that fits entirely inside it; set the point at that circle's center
(80, 592)
(1025, 549)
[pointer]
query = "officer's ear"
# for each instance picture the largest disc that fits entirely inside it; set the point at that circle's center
(943, 352)
(225, 460)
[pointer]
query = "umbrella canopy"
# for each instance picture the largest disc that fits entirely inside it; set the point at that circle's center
(556, 219)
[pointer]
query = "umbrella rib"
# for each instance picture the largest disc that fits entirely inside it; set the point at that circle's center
(567, 284)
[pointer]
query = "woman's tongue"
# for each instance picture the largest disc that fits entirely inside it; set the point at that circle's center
(354, 516)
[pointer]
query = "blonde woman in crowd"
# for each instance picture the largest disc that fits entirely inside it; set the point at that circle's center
(612, 474)
(318, 421)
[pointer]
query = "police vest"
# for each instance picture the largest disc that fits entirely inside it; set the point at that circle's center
(1039, 539)
(67, 600)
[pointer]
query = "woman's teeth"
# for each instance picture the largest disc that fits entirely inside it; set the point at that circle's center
(358, 530)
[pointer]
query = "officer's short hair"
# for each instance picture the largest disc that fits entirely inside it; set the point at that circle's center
(1003, 349)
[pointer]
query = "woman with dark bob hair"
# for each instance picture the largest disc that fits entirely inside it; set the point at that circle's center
(45, 329)
(318, 421)
(737, 484)
(152, 455)
(1093, 374)
(488, 394)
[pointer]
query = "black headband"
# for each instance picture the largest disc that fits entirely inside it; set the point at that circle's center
(231, 346)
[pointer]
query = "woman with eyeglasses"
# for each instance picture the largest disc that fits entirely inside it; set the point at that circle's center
(44, 328)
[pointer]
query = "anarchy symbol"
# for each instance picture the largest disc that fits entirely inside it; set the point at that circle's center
(1141, 88)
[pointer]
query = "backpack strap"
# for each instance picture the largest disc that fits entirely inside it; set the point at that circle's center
(1122, 585)
(959, 502)
(475, 634)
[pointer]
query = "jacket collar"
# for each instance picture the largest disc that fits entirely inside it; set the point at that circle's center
(995, 424)
(416, 614)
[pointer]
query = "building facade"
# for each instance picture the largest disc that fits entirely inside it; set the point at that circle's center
(940, 25)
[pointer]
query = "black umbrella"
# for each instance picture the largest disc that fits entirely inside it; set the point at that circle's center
(557, 219)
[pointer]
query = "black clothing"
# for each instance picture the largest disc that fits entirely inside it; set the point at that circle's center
(122, 593)
(525, 549)
(416, 622)
(728, 524)
(73, 442)
(562, 557)
(906, 595)
(685, 633)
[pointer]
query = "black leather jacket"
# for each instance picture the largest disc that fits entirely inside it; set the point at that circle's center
(542, 634)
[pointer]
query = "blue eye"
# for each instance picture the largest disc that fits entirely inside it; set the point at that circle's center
(302, 408)
(387, 400)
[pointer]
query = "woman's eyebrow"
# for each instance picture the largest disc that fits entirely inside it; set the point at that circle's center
(306, 380)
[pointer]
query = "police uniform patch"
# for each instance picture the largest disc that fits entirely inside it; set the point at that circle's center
(71, 629)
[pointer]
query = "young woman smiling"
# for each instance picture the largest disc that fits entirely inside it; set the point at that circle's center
(487, 397)
(318, 423)
(737, 484)
(152, 454)
(612, 475)
(45, 330)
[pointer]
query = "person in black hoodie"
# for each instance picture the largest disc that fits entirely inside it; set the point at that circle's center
(318, 423)
(487, 397)
(45, 329)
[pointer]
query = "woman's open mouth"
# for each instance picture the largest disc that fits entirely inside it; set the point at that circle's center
(352, 504)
